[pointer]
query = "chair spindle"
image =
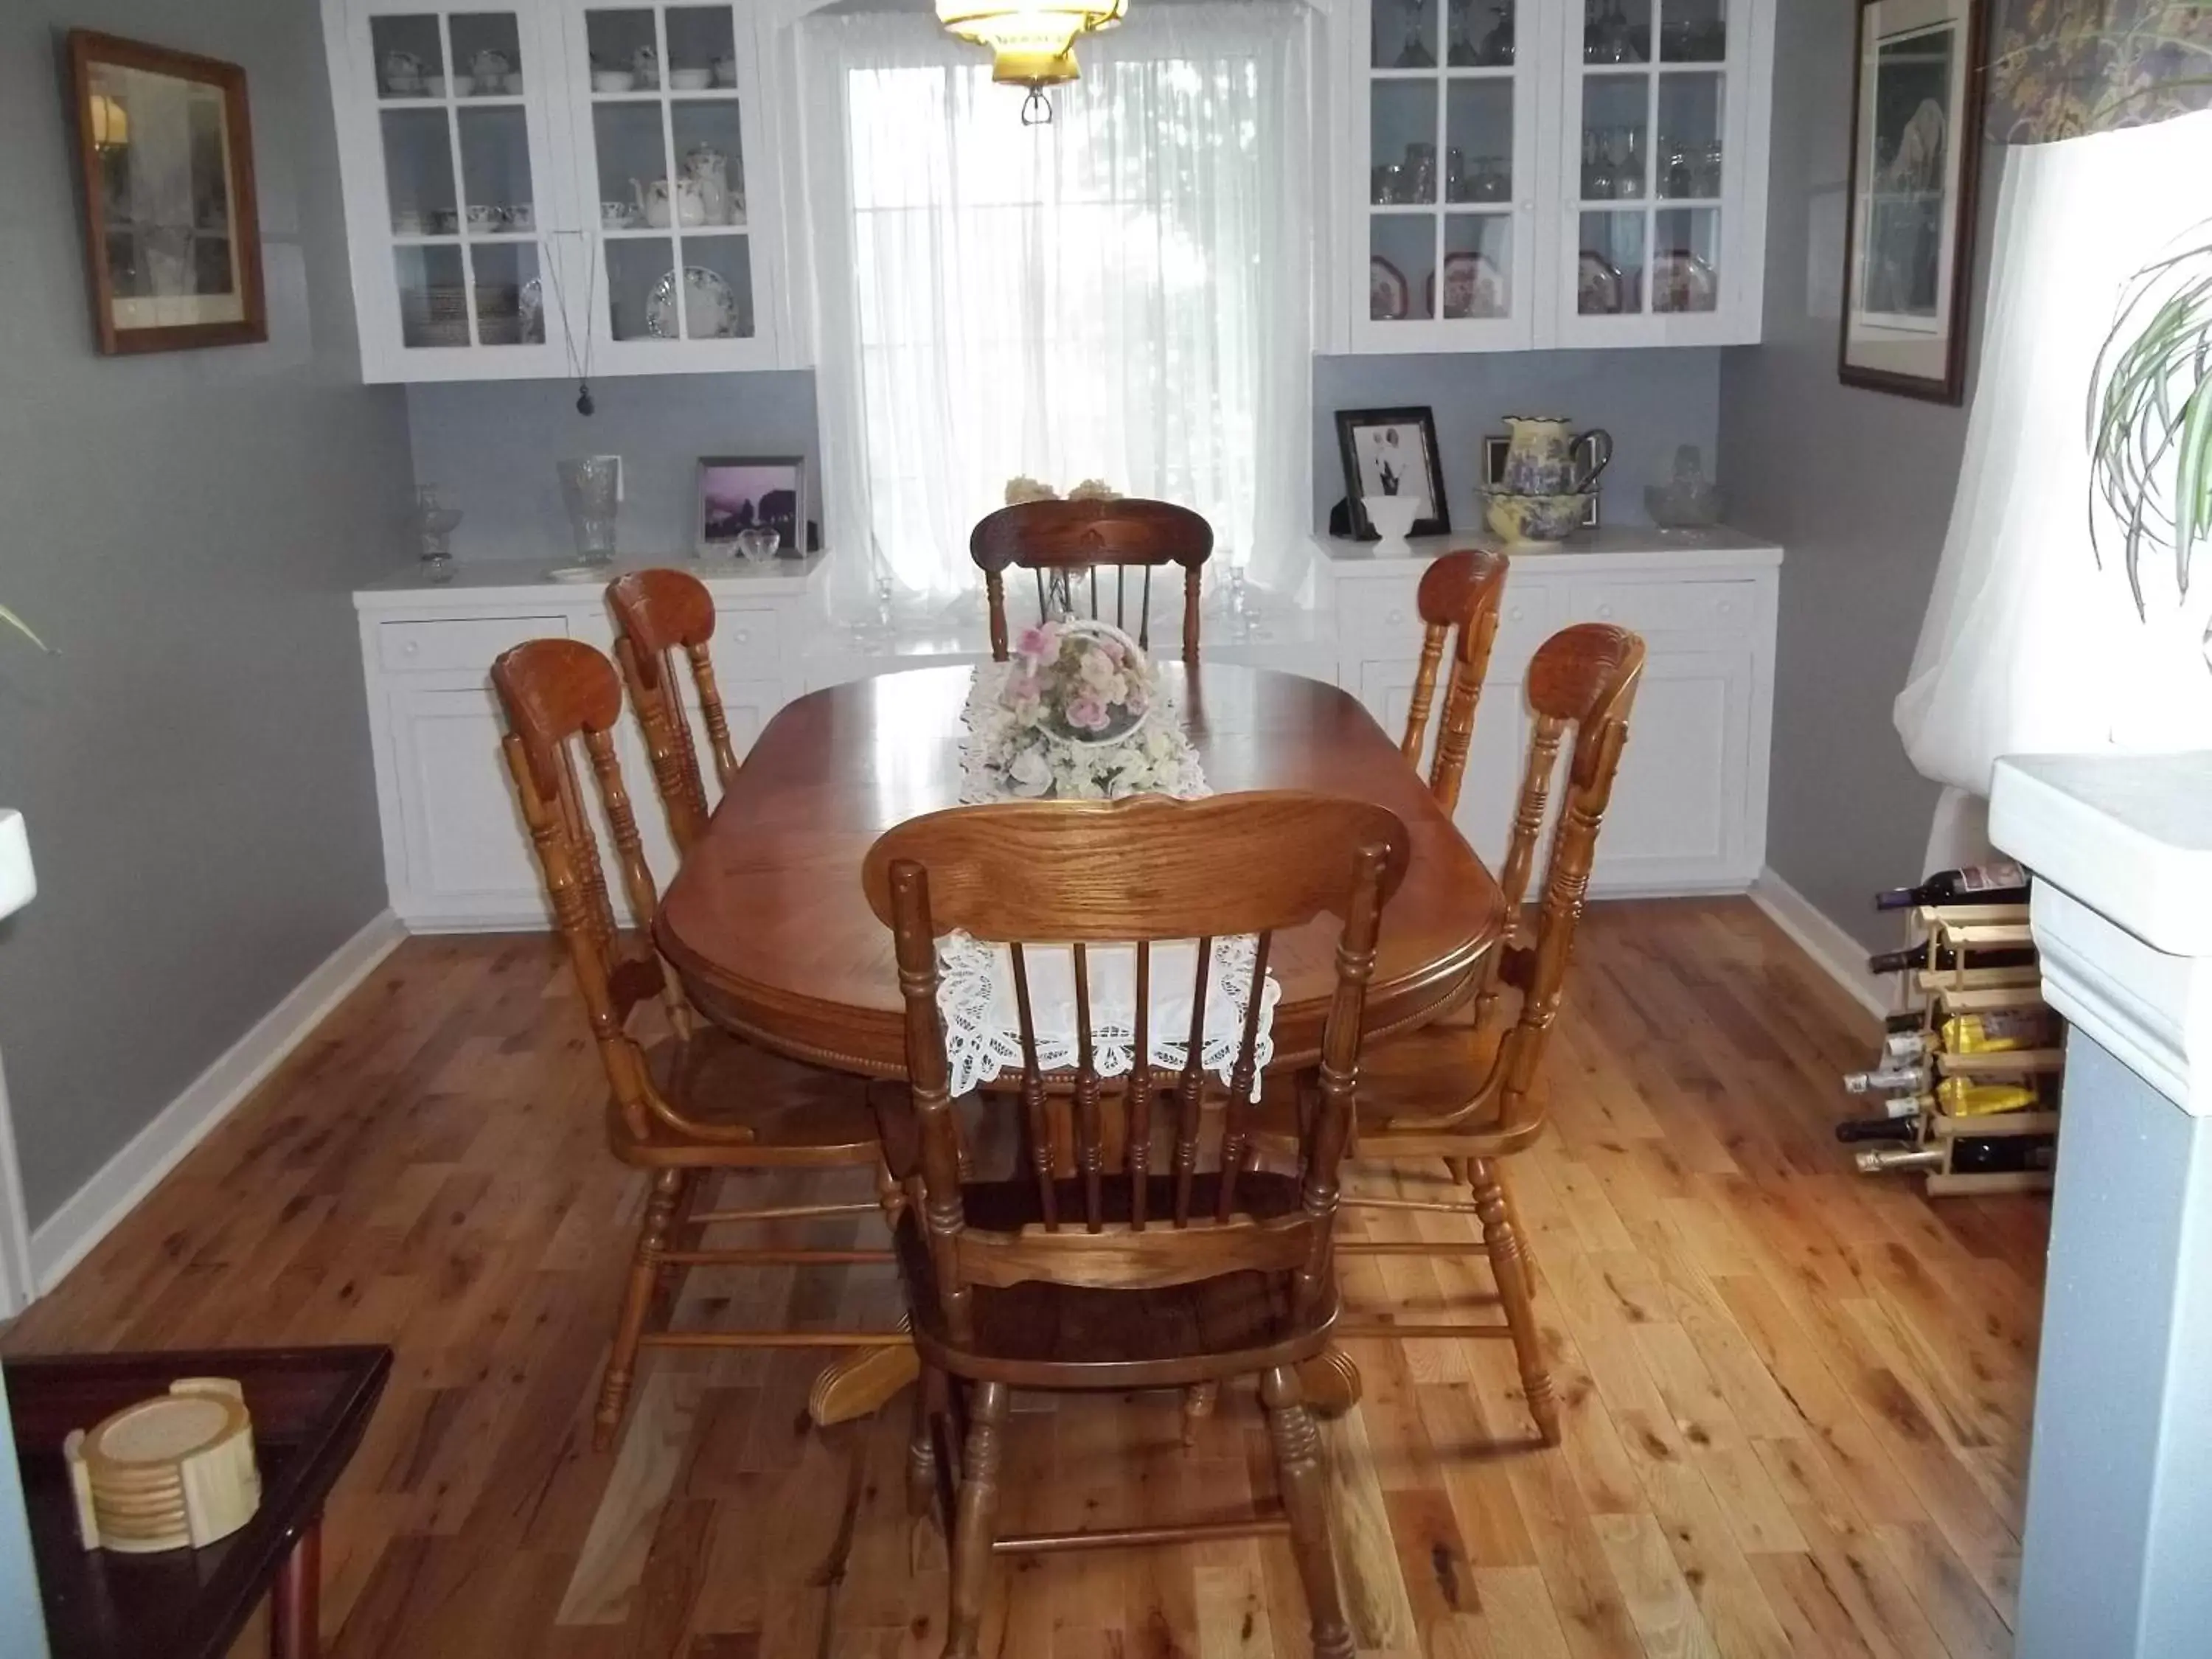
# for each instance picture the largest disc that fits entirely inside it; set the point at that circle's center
(1190, 1088)
(1235, 1117)
(1036, 1128)
(1137, 1092)
(1089, 1124)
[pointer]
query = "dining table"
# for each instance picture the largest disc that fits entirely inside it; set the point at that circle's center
(768, 930)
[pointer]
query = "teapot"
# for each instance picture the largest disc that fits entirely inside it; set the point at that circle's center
(645, 64)
(1544, 456)
(403, 74)
(708, 169)
(490, 69)
(654, 200)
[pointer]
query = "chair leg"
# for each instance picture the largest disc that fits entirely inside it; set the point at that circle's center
(1510, 1268)
(1199, 1401)
(976, 1523)
(637, 1302)
(685, 1234)
(921, 1455)
(1305, 1500)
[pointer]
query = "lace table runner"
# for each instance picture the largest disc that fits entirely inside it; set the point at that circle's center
(976, 983)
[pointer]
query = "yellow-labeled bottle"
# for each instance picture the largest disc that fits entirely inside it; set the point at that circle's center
(1961, 1096)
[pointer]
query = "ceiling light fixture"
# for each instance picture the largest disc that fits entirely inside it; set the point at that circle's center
(1032, 42)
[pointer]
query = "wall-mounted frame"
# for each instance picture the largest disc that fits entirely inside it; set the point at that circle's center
(172, 235)
(738, 492)
(1909, 238)
(1392, 452)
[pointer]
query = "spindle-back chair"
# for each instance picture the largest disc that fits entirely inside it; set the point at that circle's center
(1462, 1090)
(1141, 1275)
(1073, 540)
(1458, 600)
(698, 1101)
(658, 613)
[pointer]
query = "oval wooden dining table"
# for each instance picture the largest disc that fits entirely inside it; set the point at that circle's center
(767, 927)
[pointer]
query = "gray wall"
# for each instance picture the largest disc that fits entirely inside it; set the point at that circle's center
(1857, 486)
(1650, 401)
(187, 528)
(490, 446)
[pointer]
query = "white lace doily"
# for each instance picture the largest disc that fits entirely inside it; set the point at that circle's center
(976, 979)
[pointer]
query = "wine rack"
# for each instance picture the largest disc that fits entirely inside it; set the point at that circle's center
(1961, 1128)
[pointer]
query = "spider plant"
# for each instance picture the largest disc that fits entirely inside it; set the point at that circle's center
(22, 627)
(2151, 415)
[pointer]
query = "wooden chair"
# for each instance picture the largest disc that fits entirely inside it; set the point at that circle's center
(1461, 1089)
(699, 1101)
(1121, 1278)
(1459, 597)
(1066, 538)
(657, 614)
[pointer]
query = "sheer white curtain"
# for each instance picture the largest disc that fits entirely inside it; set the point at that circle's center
(1123, 295)
(2027, 646)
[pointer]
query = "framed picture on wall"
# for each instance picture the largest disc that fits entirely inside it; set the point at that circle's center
(1392, 452)
(1909, 229)
(740, 493)
(173, 238)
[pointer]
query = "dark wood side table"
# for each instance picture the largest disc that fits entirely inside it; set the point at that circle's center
(309, 1407)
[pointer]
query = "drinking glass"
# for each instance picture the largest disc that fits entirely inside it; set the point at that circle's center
(588, 487)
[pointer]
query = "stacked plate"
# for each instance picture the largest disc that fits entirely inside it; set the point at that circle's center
(166, 1473)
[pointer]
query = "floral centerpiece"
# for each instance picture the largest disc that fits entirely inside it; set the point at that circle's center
(1074, 718)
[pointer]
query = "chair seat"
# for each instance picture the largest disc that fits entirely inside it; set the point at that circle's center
(1046, 1335)
(1414, 1078)
(796, 1114)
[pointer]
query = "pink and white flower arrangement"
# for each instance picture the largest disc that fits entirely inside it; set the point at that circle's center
(1074, 718)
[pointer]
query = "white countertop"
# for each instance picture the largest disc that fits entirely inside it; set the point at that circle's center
(491, 583)
(1627, 547)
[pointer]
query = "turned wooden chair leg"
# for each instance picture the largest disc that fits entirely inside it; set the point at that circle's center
(976, 1523)
(1199, 1401)
(683, 1234)
(921, 1456)
(1520, 1233)
(637, 1302)
(1510, 1268)
(1305, 1501)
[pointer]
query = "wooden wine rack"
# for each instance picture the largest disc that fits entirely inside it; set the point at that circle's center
(1968, 931)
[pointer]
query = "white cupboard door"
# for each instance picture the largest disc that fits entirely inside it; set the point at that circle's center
(453, 187)
(1440, 181)
(1494, 754)
(670, 153)
(1677, 822)
(469, 856)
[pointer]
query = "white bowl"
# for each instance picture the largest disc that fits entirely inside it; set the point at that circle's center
(1392, 516)
(613, 81)
(691, 79)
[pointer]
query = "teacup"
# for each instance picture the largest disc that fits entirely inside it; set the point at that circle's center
(486, 219)
(523, 215)
(726, 71)
(441, 221)
(613, 80)
(434, 85)
(617, 216)
(407, 221)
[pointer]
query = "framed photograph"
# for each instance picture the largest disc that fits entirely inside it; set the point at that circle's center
(1908, 238)
(173, 239)
(738, 493)
(1493, 474)
(1392, 452)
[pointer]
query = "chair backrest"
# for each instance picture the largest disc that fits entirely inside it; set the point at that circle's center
(1584, 677)
(1134, 873)
(1076, 537)
(556, 694)
(658, 613)
(1458, 593)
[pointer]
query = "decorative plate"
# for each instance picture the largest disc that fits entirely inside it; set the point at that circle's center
(713, 307)
(1597, 286)
(531, 301)
(1474, 287)
(1682, 282)
(1389, 296)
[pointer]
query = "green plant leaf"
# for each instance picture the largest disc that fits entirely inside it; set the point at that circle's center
(23, 628)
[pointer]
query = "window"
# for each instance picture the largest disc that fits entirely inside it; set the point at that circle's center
(1122, 295)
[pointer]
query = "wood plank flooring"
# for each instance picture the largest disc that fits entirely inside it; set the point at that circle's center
(1795, 1400)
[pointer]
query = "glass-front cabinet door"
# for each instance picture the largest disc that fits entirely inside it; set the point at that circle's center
(1444, 109)
(666, 143)
(1656, 244)
(451, 192)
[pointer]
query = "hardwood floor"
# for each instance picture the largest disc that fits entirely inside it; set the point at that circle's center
(1795, 1400)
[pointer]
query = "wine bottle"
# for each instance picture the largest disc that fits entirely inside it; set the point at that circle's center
(1916, 956)
(1901, 1157)
(2000, 1154)
(1887, 1079)
(1874, 1129)
(2001, 882)
(1908, 1019)
(2000, 1030)
(1965, 1097)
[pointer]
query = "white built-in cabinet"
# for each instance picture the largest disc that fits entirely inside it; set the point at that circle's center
(504, 168)
(1552, 173)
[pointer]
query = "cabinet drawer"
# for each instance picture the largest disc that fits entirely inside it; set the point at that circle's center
(1668, 606)
(1381, 618)
(746, 642)
(425, 647)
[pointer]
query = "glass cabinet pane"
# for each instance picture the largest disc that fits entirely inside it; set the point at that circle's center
(1617, 31)
(497, 200)
(709, 159)
(1609, 270)
(487, 55)
(1479, 34)
(718, 288)
(633, 159)
(1616, 159)
(1478, 157)
(1402, 267)
(1402, 145)
(702, 48)
(624, 48)
(1688, 154)
(510, 297)
(1686, 260)
(418, 173)
(408, 51)
(1477, 279)
(1692, 31)
(434, 296)
(1404, 34)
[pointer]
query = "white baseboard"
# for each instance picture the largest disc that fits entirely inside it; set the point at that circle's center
(61, 1241)
(1840, 955)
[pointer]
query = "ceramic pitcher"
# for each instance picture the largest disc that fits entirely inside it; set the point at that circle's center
(710, 169)
(1544, 456)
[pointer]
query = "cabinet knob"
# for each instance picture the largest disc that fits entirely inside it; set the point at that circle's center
(411, 647)
(742, 634)
(1395, 617)
(1528, 207)
(1604, 611)
(1515, 614)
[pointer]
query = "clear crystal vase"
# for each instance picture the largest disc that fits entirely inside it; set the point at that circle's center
(588, 491)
